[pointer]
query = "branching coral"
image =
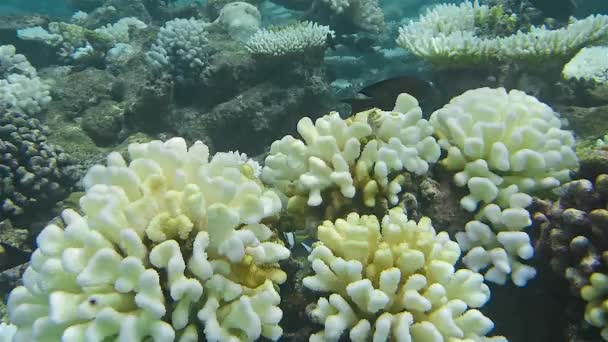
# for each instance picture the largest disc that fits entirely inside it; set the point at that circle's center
(299, 39)
(503, 146)
(394, 280)
(170, 246)
(363, 155)
(448, 34)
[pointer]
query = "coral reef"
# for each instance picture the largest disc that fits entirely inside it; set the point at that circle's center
(326, 234)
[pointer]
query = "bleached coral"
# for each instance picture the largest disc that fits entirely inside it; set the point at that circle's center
(77, 43)
(240, 19)
(20, 87)
(394, 281)
(541, 43)
(503, 146)
(39, 34)
(589, 64)
(181, 49)
(448, 33)
(363, 154)
(119, 31)
(170, 246)
(290, 40)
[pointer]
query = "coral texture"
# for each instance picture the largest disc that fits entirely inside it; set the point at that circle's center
(20, 87)
(449, 34)
(34, 174)
(394, 281)
(504, 146)
(181, 49)
(362, 155)
(170, 246)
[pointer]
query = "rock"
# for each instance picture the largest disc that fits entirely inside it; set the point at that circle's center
(586, 122)
(103, 123)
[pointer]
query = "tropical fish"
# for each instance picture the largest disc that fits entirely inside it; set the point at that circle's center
(11, 256)
(382, 94)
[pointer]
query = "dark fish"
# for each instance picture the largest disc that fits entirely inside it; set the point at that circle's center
(558, 9)
(11, 256)
(384, 93)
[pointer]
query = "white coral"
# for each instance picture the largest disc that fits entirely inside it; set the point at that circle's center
(503, 146)
(359, 154)
(447, 33)
(393, 281)
(170, 214)
(290, 40)
(20, 87)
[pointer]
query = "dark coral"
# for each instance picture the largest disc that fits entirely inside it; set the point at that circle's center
(574, 240)
(573, 230)
(34, 174)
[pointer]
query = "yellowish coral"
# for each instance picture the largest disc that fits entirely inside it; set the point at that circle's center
(596, 294)
(171, 246)
(393, 280)
(363, 155)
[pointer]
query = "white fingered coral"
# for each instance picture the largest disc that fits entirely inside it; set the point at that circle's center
(20, 87)
(289, 40)
(119, 31)
(168, 238)
(181, 49)
(394, 281)
(448, 33)
(358, 155)
(503, 146)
